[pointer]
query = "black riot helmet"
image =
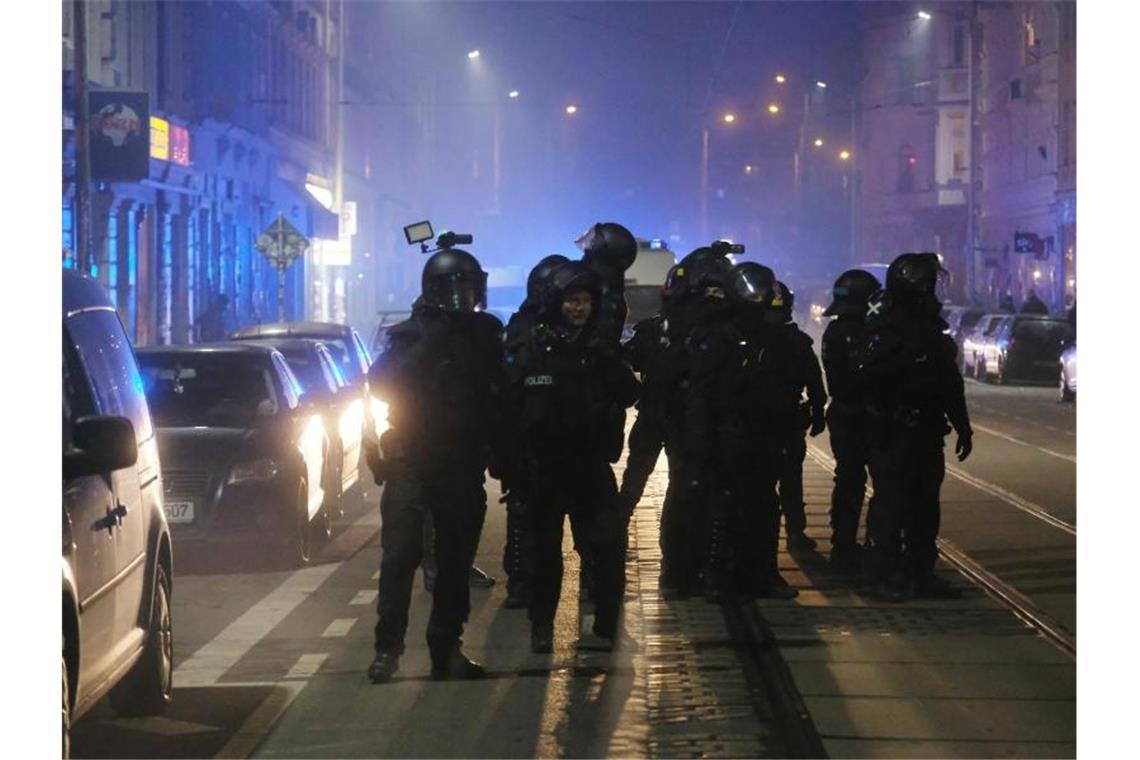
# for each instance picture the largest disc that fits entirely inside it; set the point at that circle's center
(850, 293)
(705, 267)
(610, 244)
(453, 281)
(750, 286)
(540, 274)
(914, 274)
(789, 299)
(572, 275)
(780, 304)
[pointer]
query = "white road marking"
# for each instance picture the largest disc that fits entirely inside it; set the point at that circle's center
(307, 665)
(218, 655)
(365, 597)
(982, 485)
(1010, 438)
(160, 724)
(338, 627)
(257, 725)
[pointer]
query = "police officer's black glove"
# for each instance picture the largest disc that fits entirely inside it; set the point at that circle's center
(965, 445)
(374, 459)
(818, 422)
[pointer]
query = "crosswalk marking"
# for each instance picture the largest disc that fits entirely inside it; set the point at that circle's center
(307, 665)
(367, 596)
(338, 627)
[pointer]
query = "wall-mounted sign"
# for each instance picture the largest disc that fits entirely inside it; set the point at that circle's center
(159, 138)
(119, 124)
(179, 145)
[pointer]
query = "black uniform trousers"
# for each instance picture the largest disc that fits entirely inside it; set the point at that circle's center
(908, 472)
(518, 551)
(845, 424)
(457, 503)
(587, 493)
(756, 515)
(791, 479)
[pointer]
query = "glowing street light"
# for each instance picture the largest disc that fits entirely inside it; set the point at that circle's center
(571, 109)
(773, 108)
(473, 54)
(513, 94)
(821, 85)
(748, 169)
(729, 118)
(818, 142)
(924, 15)
(844, 154)
(780, 79)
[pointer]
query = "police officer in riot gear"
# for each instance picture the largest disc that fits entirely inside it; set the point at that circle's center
(842, 339)
(912, 387)
(694, 529)
(739, 384)
(518, 553)
(609, 249)
(804, 375)
(444, 378)
(567, 383)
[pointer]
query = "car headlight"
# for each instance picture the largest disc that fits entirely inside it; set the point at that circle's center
(261, 469)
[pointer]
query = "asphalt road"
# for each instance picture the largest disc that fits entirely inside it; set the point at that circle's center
(270, 662)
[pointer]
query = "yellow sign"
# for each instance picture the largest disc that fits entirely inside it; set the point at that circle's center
(159, 138)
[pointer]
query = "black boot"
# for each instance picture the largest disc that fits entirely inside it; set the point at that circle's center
(800, 541)
(476, 578)
(931, 586)
(452, 665)
(383, 667)
(518, 595)
(541, 638)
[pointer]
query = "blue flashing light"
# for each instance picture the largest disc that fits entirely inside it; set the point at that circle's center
(656, 244)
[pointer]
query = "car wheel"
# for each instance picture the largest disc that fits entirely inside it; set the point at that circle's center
(301, 540)
(1066, 394)
(66, 711)
(147, 688)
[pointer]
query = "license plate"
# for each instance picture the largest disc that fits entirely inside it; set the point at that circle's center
(179, 511)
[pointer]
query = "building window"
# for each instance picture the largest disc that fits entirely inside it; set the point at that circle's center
(112, 247)
(68, 237)
(959, 45)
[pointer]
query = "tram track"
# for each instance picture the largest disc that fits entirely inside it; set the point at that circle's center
(1005, 594)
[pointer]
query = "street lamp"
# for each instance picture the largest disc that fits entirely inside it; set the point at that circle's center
(473, 54)
(513, 94)
(780, 79)
(821, 85)
(571, 109)
(924, 15)
(729, 118)
(818, 142)
(844, 154)
(748, 169)
(773, 108)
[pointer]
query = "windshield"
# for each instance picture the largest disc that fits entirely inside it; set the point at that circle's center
(342, 354)
(206, 389)
(1043, 333)
(307, 368)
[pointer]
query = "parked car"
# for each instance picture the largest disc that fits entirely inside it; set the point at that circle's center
(961, 320)
(243, 455)
(1068, 363)
(384, 321)
(347, 349)
(340, 406)
(974, 342)
(342, 341)
(1026, 348)
(117, 554)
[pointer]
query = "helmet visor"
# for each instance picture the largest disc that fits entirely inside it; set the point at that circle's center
(458, 291)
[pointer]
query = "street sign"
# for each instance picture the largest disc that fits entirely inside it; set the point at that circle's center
(281, 243)
(119, 135)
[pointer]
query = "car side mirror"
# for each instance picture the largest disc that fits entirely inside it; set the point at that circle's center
(102, 444)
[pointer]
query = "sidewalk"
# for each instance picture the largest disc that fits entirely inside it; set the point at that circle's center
(963, 678)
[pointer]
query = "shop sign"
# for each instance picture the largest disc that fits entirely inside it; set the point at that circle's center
(159, 138)
(119, 127)
(179, 145)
